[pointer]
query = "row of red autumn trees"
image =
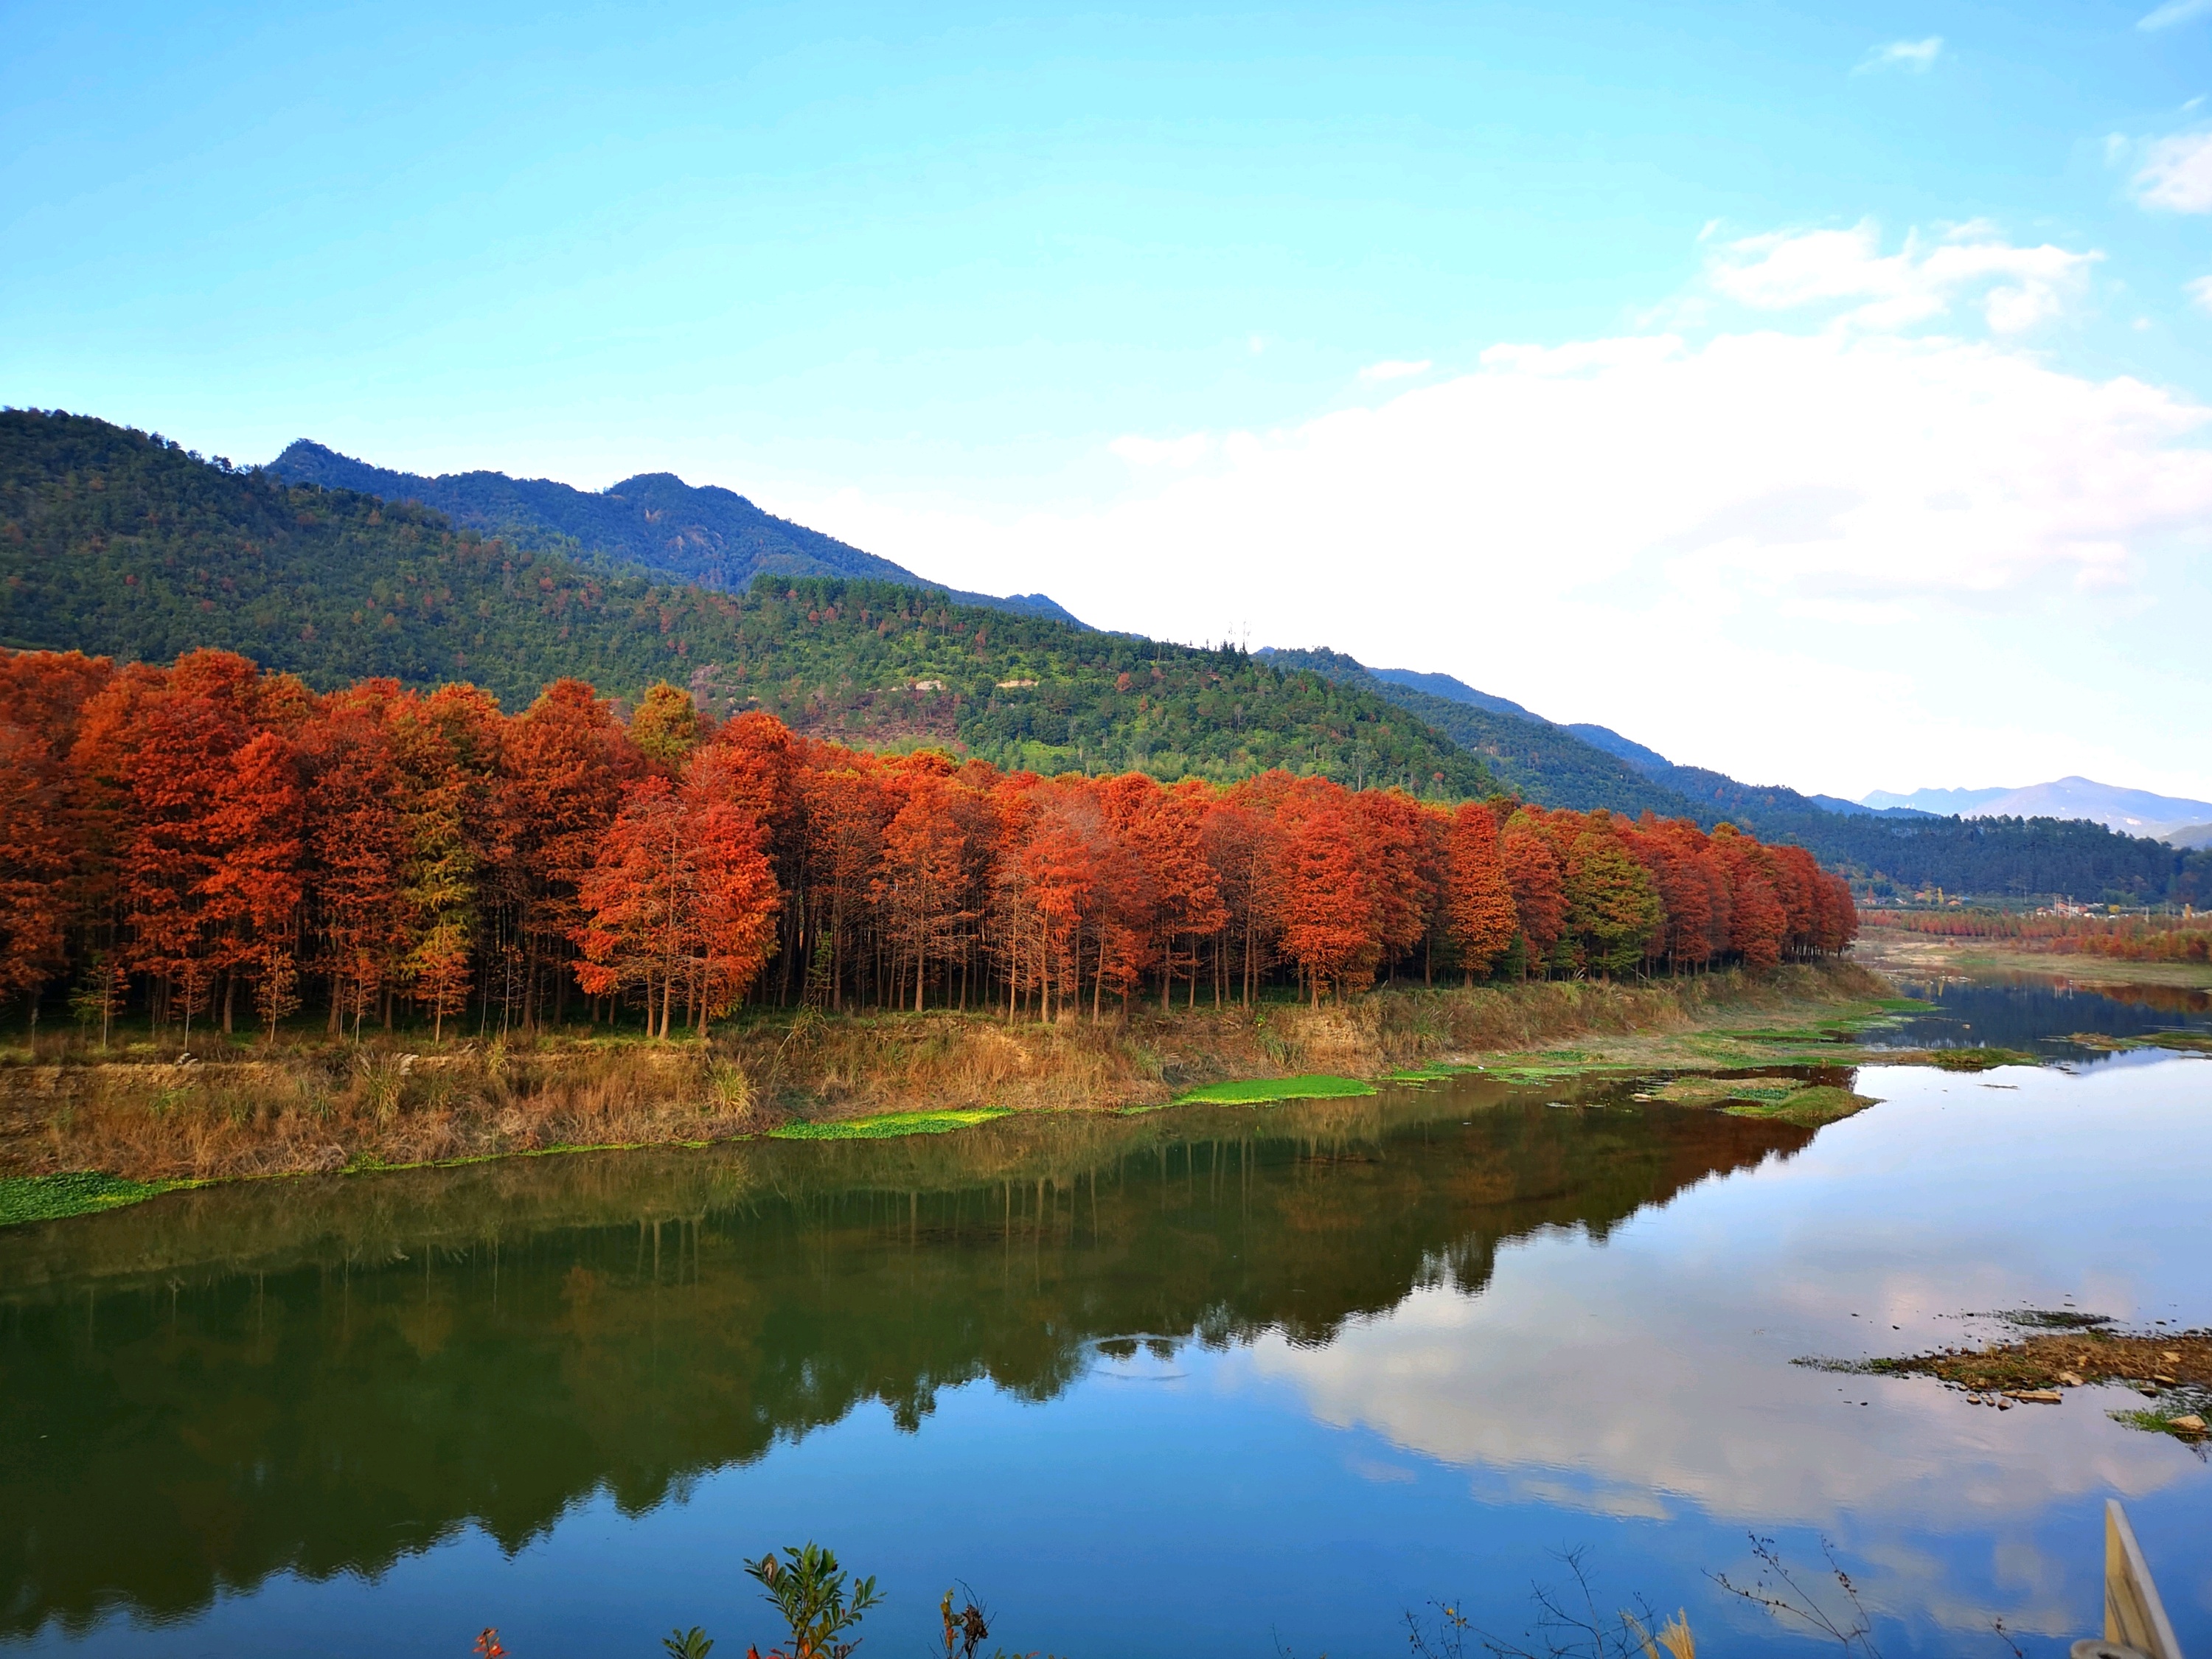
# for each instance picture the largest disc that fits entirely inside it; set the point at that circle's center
(212, 843)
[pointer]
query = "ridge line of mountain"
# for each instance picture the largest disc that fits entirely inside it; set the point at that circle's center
(702, 534)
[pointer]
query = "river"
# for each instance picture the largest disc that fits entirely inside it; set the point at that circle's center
(1204, 1380)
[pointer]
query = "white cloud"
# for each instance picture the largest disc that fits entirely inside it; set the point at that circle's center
(1187, 451)
(1395, 369)
(1917, 57)
(1919, 551)
(2018, 287)
(2174, 11)
(2201, 291)
(2176, 174)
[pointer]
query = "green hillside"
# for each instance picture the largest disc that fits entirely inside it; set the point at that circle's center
(1544, 762)
(122, 544)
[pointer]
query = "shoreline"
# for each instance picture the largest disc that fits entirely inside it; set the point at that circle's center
(126, 1129)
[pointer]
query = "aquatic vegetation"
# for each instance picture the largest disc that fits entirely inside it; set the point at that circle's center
(80, 1192)
(1260, 1091)
(1818, 1104)
(886, 1125)
(1972, 1060)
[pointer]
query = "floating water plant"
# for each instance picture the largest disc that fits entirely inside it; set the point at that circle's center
(1258, 1092)
(887, 1125)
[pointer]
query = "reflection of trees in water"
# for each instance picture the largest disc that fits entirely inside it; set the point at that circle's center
(324, 1377)
(2019, 1010)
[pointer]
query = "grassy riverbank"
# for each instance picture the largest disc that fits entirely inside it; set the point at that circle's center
(1890, 950)
(156, 1114)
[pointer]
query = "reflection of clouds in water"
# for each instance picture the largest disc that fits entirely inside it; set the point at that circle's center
(1374, 1469)
(1623, 1389)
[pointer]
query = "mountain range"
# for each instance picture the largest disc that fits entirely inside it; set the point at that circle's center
(716, 538)
(2175, 819)
(671, 530)
(122, 544)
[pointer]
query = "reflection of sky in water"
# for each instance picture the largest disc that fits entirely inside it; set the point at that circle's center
(1635, 1396)
(1651, 1377)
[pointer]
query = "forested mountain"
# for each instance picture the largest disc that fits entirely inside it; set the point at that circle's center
(1543, 761)
(1583, 766)
(119, 544)
(122, 544)
(670, 530)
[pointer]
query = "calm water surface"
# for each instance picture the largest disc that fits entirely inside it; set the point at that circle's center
(1192, 1381)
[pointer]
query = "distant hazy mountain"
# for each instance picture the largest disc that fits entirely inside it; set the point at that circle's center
(672, 531)
(1943, 802)
(2128, 811)
(2191, 837)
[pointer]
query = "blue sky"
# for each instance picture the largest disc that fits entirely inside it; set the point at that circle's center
(1817, 393)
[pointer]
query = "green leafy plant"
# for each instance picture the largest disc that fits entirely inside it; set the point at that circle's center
(811, 1593)
(693, 1644)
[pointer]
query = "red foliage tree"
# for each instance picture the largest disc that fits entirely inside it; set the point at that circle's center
(1322, 894)
(678, 902)
(1540, 901)
(209, 833)
(1478, 915)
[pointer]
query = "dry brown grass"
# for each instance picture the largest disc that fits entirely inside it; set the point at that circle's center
(377, 1104)
(170, 1115)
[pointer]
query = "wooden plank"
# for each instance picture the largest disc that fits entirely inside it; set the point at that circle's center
(2133, 1613)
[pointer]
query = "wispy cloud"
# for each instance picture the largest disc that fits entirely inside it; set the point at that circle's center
(2018, 287)
(1917, 57)
(2174, 11)
(2177, 174)
(1395, 369)
(2201, 291)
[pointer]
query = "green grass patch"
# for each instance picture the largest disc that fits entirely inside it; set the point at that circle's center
(83, 1192)
(1807, 1106)
(1258, 1092)
(1979, 1060)
(1431, 1073)
(889, 1125)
